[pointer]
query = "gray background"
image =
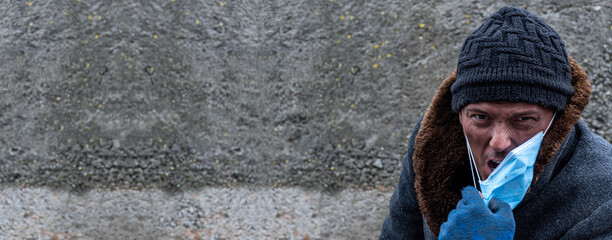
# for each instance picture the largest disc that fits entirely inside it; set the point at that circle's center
(277, 99)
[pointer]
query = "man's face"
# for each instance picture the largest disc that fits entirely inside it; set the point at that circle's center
(495, 128)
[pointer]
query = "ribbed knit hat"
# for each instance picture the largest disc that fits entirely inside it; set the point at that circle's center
(513, 56)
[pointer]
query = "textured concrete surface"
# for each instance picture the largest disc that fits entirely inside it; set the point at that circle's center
(130, 98)
(210, 213)
(179, 94)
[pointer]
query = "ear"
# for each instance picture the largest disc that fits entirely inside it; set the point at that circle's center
(461, 116)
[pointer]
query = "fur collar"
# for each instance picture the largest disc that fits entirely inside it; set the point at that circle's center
(440, 156)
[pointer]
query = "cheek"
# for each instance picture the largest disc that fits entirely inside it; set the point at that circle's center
(475, 134)
(478, 139)
(522, 137)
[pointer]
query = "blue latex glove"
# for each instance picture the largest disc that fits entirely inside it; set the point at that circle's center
(473, 220)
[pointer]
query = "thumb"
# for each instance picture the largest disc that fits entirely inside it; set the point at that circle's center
(500, 208)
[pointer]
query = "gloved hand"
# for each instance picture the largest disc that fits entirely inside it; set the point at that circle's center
(473, 220)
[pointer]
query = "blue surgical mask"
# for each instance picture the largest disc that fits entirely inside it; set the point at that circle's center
(510, 180)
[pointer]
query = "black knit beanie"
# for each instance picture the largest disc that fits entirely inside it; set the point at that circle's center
(513, 56)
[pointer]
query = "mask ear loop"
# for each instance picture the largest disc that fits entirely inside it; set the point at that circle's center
(550, 123)
(472, 162)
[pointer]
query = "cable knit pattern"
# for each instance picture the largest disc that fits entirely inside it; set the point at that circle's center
(516, 57)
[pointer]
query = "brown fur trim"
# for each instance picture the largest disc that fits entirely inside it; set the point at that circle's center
(439, 146)
(440, 153)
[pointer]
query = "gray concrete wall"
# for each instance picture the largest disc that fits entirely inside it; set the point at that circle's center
(179, 95)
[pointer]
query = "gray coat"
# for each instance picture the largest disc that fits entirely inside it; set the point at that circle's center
(570, 196)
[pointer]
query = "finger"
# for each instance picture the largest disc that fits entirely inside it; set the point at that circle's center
(471, 196)
(443, 231)
(451, 215)
(501, 208)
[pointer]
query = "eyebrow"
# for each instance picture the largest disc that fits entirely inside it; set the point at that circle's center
(528, 112)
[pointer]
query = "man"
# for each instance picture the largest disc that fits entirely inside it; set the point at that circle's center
(501, 152)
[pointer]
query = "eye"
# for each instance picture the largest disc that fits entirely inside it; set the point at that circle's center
(525, 122)
(525, 119)
(479, 116)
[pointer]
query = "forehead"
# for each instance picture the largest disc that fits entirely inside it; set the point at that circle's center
(506, 108)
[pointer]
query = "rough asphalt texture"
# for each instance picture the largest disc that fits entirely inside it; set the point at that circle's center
(136, 97)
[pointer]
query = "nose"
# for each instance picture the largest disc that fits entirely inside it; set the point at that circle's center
(500, 140)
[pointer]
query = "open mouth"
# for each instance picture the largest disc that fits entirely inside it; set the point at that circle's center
(493, 164)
